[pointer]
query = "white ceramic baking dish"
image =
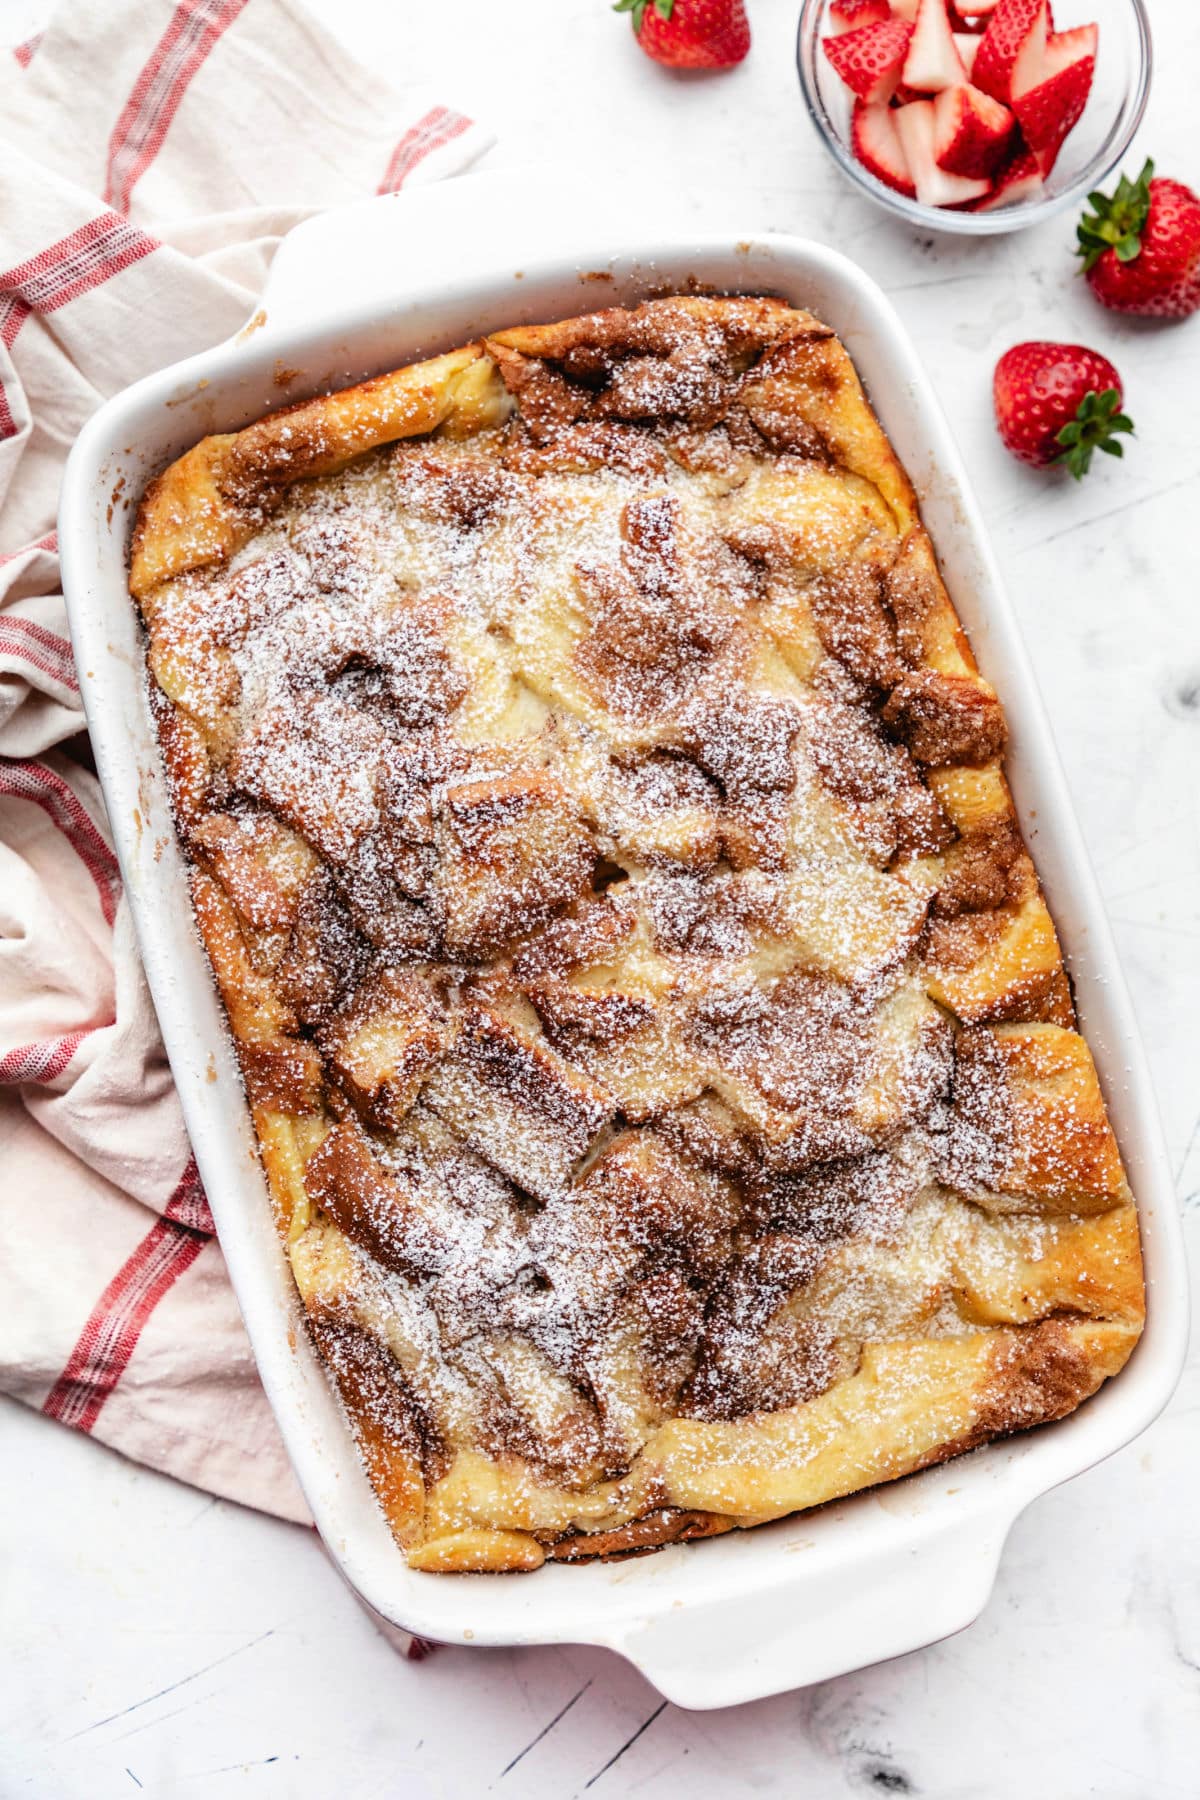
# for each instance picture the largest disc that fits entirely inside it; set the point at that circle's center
(366, 289)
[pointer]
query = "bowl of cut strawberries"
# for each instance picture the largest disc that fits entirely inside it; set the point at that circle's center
(975, 116)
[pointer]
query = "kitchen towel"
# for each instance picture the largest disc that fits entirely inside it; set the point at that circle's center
(151, 156)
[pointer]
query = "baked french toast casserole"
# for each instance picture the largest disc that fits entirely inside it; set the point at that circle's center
(660, 1051)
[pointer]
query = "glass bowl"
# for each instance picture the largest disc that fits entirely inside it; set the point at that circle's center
(1091, 152)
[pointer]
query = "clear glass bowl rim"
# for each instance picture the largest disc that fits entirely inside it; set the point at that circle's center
(984, 224)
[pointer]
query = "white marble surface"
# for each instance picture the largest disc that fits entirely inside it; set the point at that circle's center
(161, 1641)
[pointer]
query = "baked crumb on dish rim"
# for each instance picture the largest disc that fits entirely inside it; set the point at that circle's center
(659, 1048)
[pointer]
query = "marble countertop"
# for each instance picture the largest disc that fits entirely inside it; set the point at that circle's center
(161, 1641)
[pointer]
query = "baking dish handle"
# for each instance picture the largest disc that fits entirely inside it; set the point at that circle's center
(888, 1603)
(355, 259)
(357, 256)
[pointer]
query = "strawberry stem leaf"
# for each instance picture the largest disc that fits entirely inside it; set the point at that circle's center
(1117, 221)
(637, 10)
(1096, 425)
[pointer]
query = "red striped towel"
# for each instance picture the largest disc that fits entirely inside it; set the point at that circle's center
(151, 156)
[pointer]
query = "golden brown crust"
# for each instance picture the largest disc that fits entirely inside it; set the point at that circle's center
(208, 503)
(660, 1050)
(667, 1526)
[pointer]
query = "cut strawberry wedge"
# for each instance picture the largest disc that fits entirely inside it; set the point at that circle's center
(869, 60)
(932, 62)
(979, 9)
(934, 186)
(966, 43)
(1020, 179)
(906, 10)
(1049, 96)
(876, 143)
(1016, 30)
(848, 15)
(971, 131)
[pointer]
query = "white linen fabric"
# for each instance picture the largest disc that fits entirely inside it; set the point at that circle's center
(152, 154)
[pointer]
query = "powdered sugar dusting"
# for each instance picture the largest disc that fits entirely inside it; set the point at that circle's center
(613, 957)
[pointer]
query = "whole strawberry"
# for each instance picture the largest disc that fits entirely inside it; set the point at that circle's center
(1141, 247)
(690, 34)
(1056, 403)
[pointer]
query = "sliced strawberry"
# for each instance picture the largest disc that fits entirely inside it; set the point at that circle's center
(906, 10)
(1017, 28)
(979, 9)
(870, 59)
(848, 15)
(967, 44)
(1018, 179)
(970, 131)
(932, 62)
(876, 143)
(934, 186)
(1030, 60)
(903, 95)
(1048, 97)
